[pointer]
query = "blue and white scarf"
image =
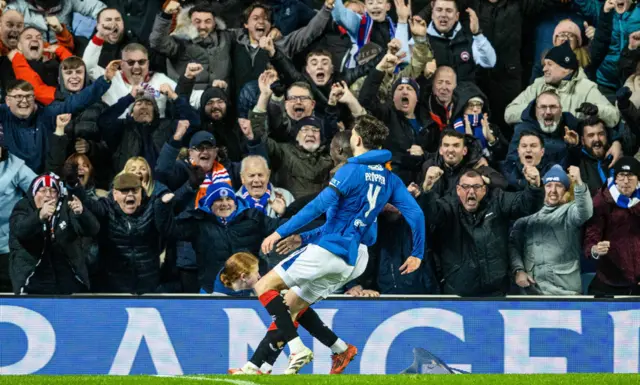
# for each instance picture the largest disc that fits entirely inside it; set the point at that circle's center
(623, 201)
(364, 34)
(260, 204)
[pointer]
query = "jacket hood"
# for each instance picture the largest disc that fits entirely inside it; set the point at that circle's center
(156, 109)
(63, 90)
(241, 205)
(186, 31)
(466, 91)
(29, 194)
(372, 157)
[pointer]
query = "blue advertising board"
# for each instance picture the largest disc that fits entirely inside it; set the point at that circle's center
(178, 335)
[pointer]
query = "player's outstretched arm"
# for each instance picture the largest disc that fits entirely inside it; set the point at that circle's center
(326, 199)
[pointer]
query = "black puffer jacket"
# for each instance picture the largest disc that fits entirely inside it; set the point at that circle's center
(130, 245)
(46, 263)
(213, 241)
(471, 249)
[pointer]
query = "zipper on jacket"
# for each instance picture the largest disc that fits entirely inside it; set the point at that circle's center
(393, 276)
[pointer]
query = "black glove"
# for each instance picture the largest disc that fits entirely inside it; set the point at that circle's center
(588, 109)
(70, 175)
(196, 177)
(623, 96)
(278, 88)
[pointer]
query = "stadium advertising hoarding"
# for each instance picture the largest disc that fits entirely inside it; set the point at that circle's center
(173, 336)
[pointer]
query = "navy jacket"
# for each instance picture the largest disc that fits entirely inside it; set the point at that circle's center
(28, 139)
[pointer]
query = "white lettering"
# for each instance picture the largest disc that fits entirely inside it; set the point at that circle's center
(373, 177)
(246, 330)
(517, 324)
(626, 340)
(41, 339)
(147, 324)
(374, 354)
(372, 197)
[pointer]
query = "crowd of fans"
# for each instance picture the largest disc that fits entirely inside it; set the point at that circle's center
(143, 143)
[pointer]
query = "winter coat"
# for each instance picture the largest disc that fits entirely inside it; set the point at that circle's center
(28, 138)
(548, 245)
(185, 46)
(213, 241)
(623, 25)
(15, 179)
(298, 171)
(556, 151)
(35, 17)
(127, 138)
(394, 244)
(130, 245)
(572, 92)
(472, 248)
(594, 172)
(620, 267)
(45, 260)
(515, 178)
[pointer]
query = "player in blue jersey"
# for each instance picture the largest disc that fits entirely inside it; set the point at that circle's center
(338, 252)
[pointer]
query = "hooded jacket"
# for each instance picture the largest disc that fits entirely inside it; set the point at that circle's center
(28, 138)
(226, 130)
(15, 179)
(215, 240)
(472, 248)
(45, 260)
(127, 138)
(548, 246)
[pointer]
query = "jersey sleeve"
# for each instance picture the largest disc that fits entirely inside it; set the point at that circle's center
(342, 180)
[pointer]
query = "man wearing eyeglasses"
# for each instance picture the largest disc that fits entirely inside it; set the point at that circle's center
(134, 71)
(563, 75)
(612, 235)
(470, 240)
(27, 128)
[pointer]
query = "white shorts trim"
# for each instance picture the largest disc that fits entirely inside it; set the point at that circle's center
(314, 273)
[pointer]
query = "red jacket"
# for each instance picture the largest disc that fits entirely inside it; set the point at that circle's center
(621, 227)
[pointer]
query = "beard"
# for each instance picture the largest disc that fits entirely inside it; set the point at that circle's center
(548, 129)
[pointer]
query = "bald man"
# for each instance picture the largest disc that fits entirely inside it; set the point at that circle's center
(11, 26)
(258, 191)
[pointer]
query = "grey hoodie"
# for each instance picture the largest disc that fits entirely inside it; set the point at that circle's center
(15, 179)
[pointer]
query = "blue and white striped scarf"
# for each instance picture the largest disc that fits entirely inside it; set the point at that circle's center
(623, 201)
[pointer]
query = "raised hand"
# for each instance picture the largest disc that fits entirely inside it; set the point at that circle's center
(329, 4)
(388, 62)
(172, 8)
(62, 120)
(574, 175)
(415, 150)
(47, 210)
(433, 175)
(137, 90)
(589, 30)
(112, 69)
(278, 204)
(220, 84)
(609, 5)
(76, 205)
(266, 43)
(474, 23)
(193, 70)
(602, 248)
(634, 40)
(486, 129)
(82, 146)
(394, 46)
(167, 90)
(269, 242)
(418, 26)
(266, 79)
(275, 34)
(181, 130)
(571, 137)
(402, 10)
(54, 24)
(289, 244)
(532, 175)
(337, 92)
(430, 69)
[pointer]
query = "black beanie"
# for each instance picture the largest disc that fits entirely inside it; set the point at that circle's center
(627, 164)
(214, 92)
(308, 121)
(563, 56)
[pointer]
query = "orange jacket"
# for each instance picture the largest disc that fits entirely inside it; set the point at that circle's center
(44, 93)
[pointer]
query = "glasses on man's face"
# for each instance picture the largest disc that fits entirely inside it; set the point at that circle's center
(309, 129)
(298, 98)
(550, 108)
(203, 147)
(467, 187)
(20, 98)
(474, 105)
(140, 62)
(625, 176)
(567, 36)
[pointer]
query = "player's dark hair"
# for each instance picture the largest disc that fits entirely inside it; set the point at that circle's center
(531, 133)
(452, 133)
(249, 10)
(372, 131)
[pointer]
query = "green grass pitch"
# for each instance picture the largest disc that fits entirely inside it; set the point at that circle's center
(469, 379)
